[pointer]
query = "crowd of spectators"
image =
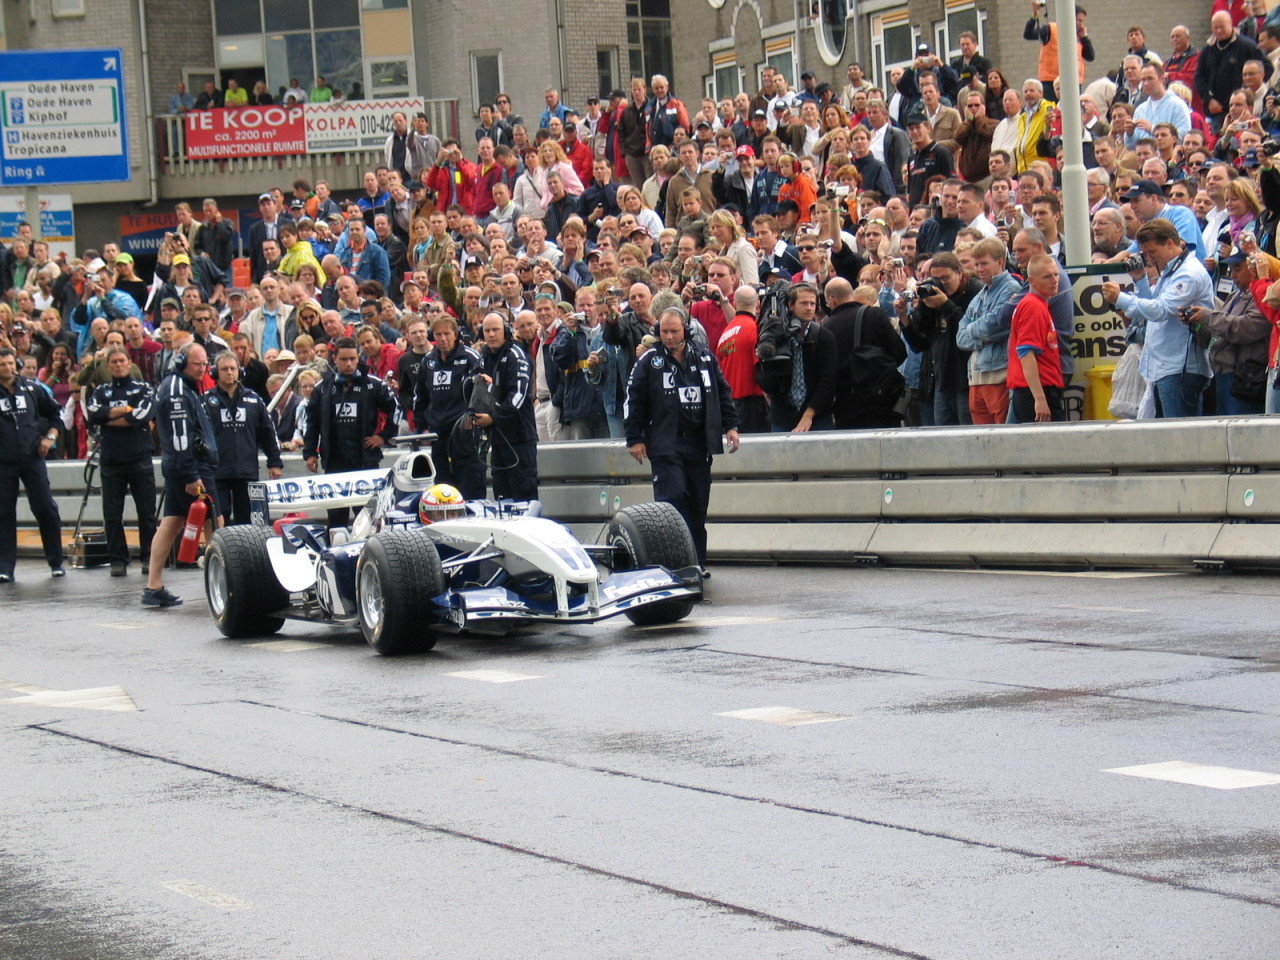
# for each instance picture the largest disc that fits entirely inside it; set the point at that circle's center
(914, 212)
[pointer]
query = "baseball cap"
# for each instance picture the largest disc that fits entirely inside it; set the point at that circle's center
(235, 292)
(171, 302)
(336, 218)
(411, 283)
(94, 265)
(286, 356)
(781, 105)
(265, 196)
(639, 230)
(124, 258)
(788, 206)
(923, 48)
(181, 259)
(745, 151)
(701, 124)
(617, 95)
(1235, 257)
(593, 99)
(594, 252)
(808, 75)
(1147, 187)
(472, 262)
(762, 114)
(916, 115)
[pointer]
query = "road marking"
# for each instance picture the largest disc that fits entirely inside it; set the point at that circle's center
(711, 622)
(92, 698)
(1199, 775)
(286, 646)
(784, 716)
(1078, 606)
(495, 676)
(21, 687)
(1089, 574)
(123, 625)
(219, 901)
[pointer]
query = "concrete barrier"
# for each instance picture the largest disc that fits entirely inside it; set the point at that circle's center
(1170, 493)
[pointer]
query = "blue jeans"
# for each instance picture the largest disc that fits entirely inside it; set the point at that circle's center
(616, 430)
(1180, 395)
(1229, 406)
(951, 409)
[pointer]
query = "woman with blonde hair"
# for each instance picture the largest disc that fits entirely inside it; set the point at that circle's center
(631, 200)
(734, 245)
(527, 193)
(553, 158)
(652, 188)
(1243, 209)
(419, 240)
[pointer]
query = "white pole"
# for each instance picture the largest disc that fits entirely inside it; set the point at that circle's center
(1075, 191)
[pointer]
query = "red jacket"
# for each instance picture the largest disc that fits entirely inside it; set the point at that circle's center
(580, 159)
(459, 191)
(482, 189)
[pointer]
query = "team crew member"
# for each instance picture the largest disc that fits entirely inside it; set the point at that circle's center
(415, 331)
(678, 408)
(512, 430)
(243, 427)
(188, 460)
(29, 421)
(342, 419)
(1035, 371)
(736, 353)
(123, 408)
(440, 405)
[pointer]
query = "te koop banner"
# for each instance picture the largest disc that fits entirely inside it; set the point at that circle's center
(354, 124)
(245, 132)
(1098, 338)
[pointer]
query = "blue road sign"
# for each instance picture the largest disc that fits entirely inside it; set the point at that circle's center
(62, 117)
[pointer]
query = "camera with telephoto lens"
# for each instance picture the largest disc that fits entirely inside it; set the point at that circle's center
(1270, 147)
(1135, 261)
(927, 288)
(776, 327)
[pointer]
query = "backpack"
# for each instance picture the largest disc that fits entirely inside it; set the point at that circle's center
(873, 376)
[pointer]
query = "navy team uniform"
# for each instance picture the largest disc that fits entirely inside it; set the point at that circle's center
(188, 447)
(243, 427)
(341, 414)
(514, 434)
(28, 414)
(440, 399)
(680, 412)
(125, 451)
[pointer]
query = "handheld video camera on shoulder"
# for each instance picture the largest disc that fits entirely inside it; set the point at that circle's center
(776, 327)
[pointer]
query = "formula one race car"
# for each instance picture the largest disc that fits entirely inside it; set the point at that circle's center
(414, 565)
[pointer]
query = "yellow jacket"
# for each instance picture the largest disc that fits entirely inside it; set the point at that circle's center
(1030, 130)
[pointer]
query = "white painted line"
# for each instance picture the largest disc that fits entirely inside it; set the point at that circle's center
(712, 622)
(783, 716)
(17, 687)
(495, 676)
(1199, 775)
(93, 698)
(1079, 606)
(219, 901)
(123, 625)
(1087, 574)
(286, 646)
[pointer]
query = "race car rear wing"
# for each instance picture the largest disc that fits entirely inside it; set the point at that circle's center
(272, 499)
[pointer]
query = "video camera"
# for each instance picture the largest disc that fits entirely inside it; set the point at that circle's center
(776, 327)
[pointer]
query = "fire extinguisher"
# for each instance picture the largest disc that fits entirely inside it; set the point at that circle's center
(196, 517)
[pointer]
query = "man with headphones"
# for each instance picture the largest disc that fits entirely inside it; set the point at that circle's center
(342, 429)
(679, 410)
(512, 430)
(188, 462)
(801, 395)
(441, 397)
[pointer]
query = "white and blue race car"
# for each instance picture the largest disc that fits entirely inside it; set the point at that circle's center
(404, 582)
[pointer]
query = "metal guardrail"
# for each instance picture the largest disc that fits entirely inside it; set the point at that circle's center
(1171, 493)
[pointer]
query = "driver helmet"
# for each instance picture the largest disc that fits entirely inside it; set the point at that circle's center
(441, 502)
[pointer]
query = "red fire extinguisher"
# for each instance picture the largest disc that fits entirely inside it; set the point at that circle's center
(196, 517)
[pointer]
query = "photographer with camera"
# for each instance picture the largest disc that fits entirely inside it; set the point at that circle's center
(679, 412)
(711, 303)
(930, 320)
(1173, 361)
(577, 399)
(797, 364)
(626, 328)
(441, 405)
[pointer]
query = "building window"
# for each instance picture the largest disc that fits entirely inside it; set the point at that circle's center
(68, 8)
(486, 77)
(384, 4)
(781, 55)
(288, 15)
(959, 19)
(606, 72)
(728, 81)
(335, 13)
(289, 58)
(232, 17)
(831, 25)
(893, 44)
(339, 59)
(649, 37)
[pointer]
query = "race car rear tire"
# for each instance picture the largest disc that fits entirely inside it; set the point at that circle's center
(398, 574)
(653, 535)
(241, 589)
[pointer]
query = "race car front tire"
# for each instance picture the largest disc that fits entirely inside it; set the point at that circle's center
(653, 535)
(398, 575)
(241, 588)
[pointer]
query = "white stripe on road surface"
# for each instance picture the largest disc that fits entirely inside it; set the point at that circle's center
(286, 646)
(496, 676)
(17, 687)
(123, 625)
(220, 901)
(93, 698)
(1088, 574)
(1078, 606)
(783, 716)
(1199, 775)
(713, 622)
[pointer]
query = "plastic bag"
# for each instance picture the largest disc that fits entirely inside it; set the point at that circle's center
(1127, 385)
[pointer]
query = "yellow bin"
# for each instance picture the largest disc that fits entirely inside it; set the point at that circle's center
(1098, 391)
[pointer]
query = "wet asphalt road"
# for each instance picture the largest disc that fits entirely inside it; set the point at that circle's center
(312, 800)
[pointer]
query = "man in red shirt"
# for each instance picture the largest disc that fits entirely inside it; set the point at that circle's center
(736, 352)
(715, 310)
(1035, 371)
